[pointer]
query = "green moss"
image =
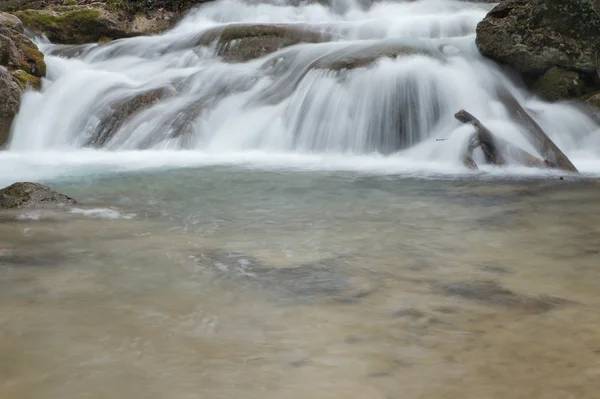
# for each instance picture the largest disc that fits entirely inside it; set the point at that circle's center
(25, 80)
(104, 39)
(76, 25)
(140, 6)
(46, 21)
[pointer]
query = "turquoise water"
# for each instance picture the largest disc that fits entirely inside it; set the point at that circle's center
(225, 282)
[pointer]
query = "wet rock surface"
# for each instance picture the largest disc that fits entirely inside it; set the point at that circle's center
(32, 195)
(542, 38)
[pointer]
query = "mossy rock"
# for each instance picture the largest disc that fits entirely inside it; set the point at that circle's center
(32, 195)
(69, 25)
(533, 36)
(79, 24)
(558, 84)
(18, 52)
(25, 80)
(11, 22)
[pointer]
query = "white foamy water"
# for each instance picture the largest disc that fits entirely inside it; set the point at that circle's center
(280, 111)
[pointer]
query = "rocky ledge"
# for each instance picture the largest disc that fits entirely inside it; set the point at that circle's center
(21, 66)
(553, 44)
(32, 195)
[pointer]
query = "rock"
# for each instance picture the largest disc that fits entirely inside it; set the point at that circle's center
(558, 83)
(593, 99)
(95, 22)
(11, 22)
(18, 52)
(10, 97)
(21, 65)
(534, 36)
(32, 195)
(244, 42)
(117, 113)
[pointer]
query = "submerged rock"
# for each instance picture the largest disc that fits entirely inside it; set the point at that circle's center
(32, 195)
(555, 38)
(21, 66)
(244, 42)
(96, 22)
(307, 282)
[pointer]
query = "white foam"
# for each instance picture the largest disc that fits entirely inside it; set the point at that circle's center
(102, 213)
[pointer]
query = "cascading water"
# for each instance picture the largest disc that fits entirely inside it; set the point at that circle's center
(339, 97)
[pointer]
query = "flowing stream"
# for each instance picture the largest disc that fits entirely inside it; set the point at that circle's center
(297, 225)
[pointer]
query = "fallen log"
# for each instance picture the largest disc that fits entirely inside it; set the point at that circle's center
(467, 157)
(495, 149)
(484, 137)
(553, 156)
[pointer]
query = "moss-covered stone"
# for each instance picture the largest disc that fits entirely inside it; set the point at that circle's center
(11, 22)
(18, 52)
(96, 22)
(541, 38)
(25, 80)
(21, 65)
(535, 35)
(558, 83)
(67, 25)
(142, 6)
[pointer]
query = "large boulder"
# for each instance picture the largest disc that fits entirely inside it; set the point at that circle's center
(96, 22)
(535, 36)
(21, 66)
(32, 195)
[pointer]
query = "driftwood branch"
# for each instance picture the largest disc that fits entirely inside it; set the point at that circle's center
(495, 149)
(554, 157)
(484, 137)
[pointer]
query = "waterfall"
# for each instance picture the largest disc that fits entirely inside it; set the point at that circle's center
(338, 96)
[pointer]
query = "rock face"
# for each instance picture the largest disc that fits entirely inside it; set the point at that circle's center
(32, 195)
(21, 66)
(552, 40)
(95, 22)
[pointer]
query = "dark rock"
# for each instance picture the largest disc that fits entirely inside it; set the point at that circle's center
(32, 195)
(558, 83)
(535, 36)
